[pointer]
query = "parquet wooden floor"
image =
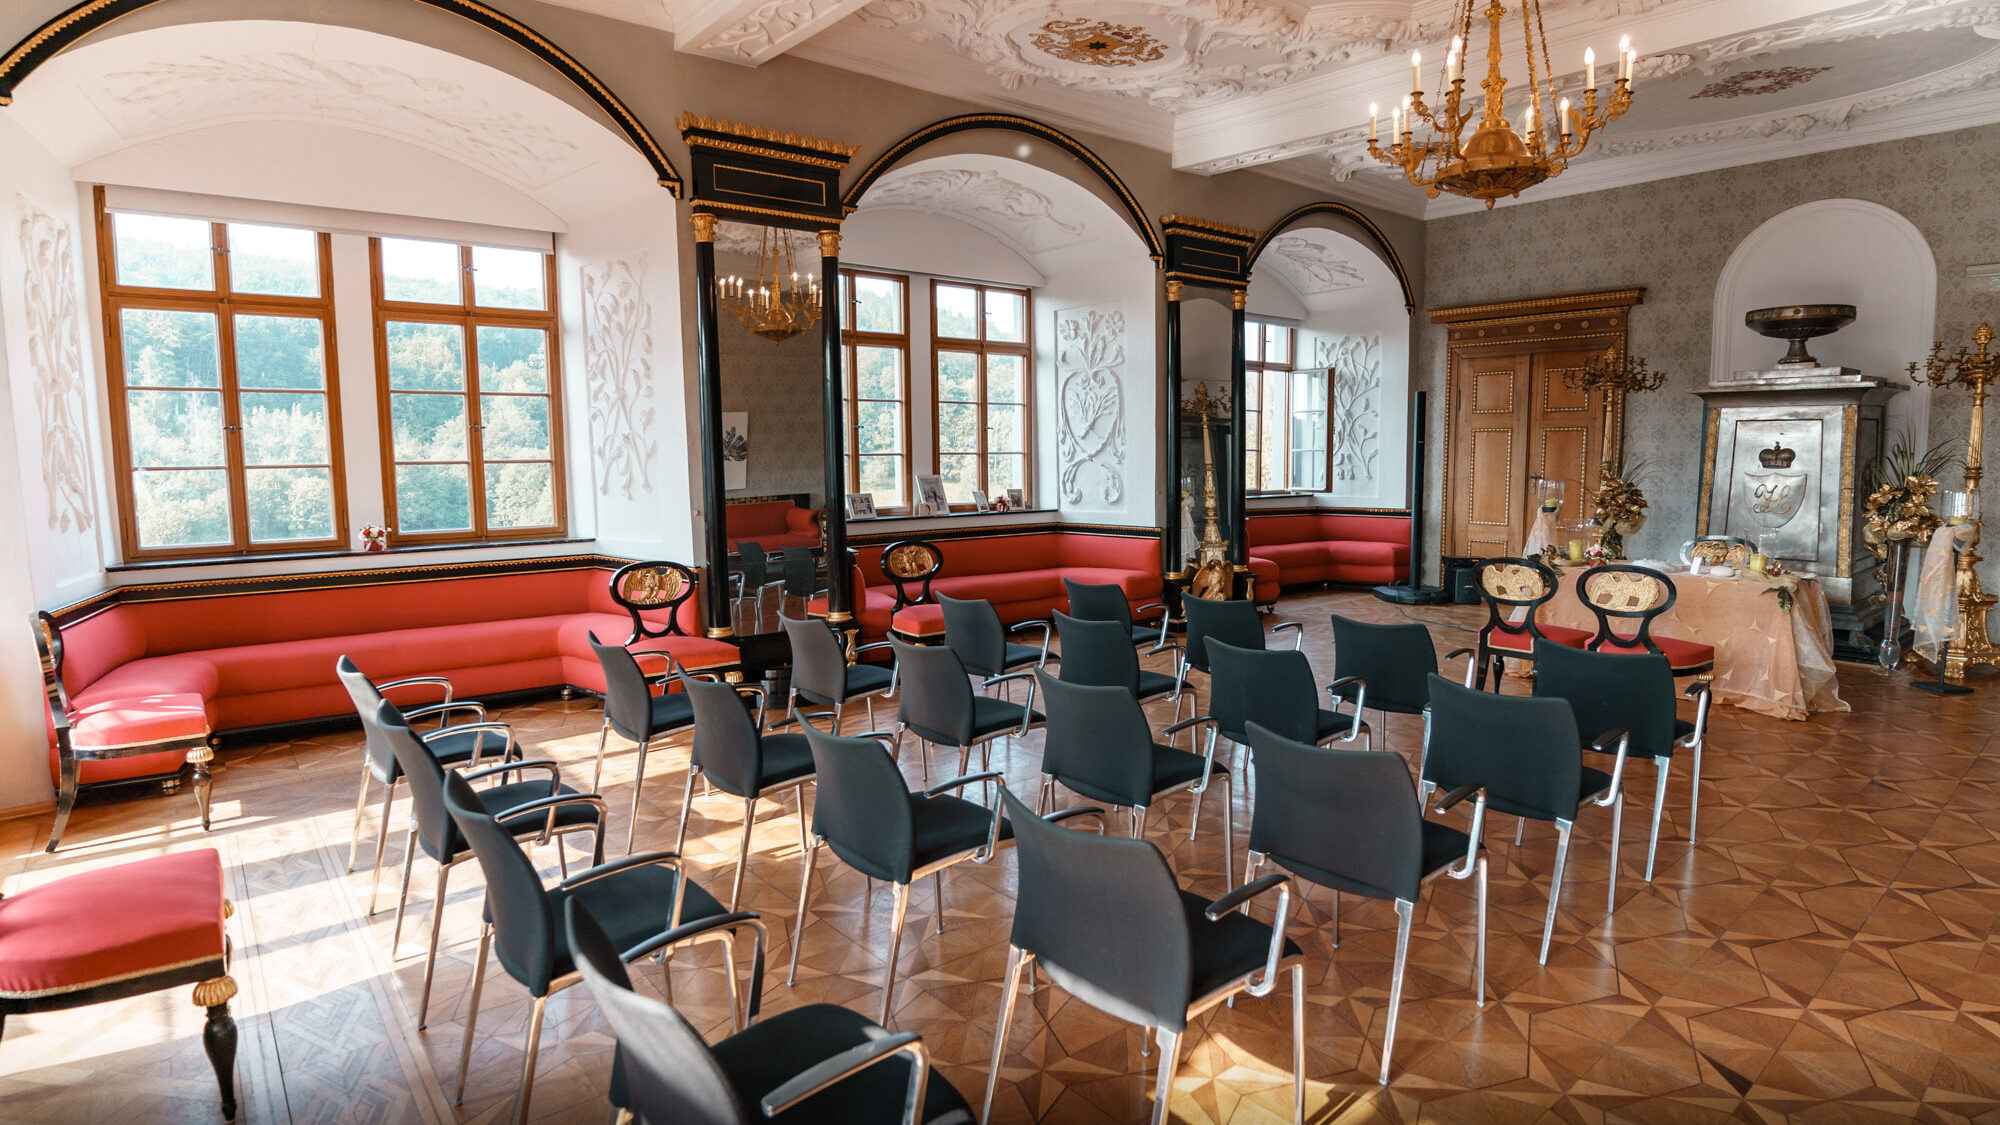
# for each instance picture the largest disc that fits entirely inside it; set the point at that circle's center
(1827, 952)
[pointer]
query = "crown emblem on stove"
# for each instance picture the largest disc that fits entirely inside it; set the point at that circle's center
(1778, 457)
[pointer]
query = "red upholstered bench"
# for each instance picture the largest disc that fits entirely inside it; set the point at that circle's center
(125, 931)
(1328, 547)
(774, 523)
(1022, 575)
(263, 657)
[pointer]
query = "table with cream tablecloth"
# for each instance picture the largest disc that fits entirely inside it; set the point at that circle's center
(1767, 659)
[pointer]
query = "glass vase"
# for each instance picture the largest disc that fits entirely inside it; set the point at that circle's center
(1889, 654)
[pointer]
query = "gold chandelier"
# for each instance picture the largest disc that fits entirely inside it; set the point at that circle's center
(1495, 160)
(776, 304)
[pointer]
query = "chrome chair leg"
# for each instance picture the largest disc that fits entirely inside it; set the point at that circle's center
(1298, 1043)
(1660, 765)
(403, 895)
(381, 844)
(1228, 833)
(360, 809)
(535, 1016)
(1163, 1089)
(430, 958)
(597, 775)
(1404, 910)
(1520, 826)
(937, 889)
(1555, 885)
(472, 1010)
(1146, 1042)
(687, 799)
(895, 947)
(1617, 830)
(1010, 982)
(1479, 956)
(1694, 791)
(638, 782)
(743, 852)
(799, 920)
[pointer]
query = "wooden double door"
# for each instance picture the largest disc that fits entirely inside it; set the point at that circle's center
(1512, 419)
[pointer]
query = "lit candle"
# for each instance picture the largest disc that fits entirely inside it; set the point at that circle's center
(1631, 63)
(1373, 122)
(1565, 118)
(1395, 123)
(1759, 562)
(1416, 70)
(1589, 69)
(1576, 550)
(1528, 121)
(1624, 56)
(1451, 59)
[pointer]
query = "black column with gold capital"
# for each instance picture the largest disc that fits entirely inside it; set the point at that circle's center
(838, 589)
(708, 370)
(1239, 433)
(749, 174)
(1170, 527)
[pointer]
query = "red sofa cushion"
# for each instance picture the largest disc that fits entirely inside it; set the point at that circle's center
(1262, 530)
(1290, 555)
(1366, 553)
(139, 721)
(112, 924)
(1679, 653)
(1014, 586)
(774, 524)
(1381, 529)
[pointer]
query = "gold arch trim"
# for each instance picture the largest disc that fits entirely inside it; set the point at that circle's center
(76, 24)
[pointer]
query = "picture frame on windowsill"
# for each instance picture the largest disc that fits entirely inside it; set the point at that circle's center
(860, 505)
(979, 501)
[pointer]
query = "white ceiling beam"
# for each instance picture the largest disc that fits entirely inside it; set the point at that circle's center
(1331, 108)
(750, 32)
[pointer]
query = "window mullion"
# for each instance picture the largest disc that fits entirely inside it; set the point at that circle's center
(233, 458)
(475, 420)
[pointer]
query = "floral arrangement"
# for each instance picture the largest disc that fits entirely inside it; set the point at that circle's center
(1783, 583)
(374, 537)
(1620, 508)
(1597, 554)
(1900, 511)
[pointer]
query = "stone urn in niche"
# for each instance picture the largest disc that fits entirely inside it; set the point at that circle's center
(1798, 323)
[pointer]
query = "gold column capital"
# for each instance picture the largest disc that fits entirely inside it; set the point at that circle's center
(1173, 290)
(829, 244)
(704, 226)
(1238, 298)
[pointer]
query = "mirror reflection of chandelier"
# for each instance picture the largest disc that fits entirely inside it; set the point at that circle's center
(1495, 160)
(776, 304)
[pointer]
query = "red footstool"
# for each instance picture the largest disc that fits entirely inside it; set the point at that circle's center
(125, 931)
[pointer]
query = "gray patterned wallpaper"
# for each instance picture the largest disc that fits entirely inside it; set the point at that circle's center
(1674, 237)
(779, 386)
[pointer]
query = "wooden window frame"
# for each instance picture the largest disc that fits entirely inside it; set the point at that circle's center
(471, 317)
(850, 339)
(225, 306)
(1255, 368)
(1326, 409)
(982, 348)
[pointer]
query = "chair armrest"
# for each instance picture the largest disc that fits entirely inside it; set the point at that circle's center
(1698, 689)
(1241, 896)
(507, 749)
(549, 804)
(1028, 708)
(1338, 690)
(1603, 742)
(1471, 661)
(871, 646)
(613, 867)
(1702, 691)
(446, 708)
(1298, 631)
(1140, 614)
(962, 782)
(1457, 795)
(1047, 628)
(701, 928)
(854, 1060)
(470, 773)
(1060, 815)
(412, 681)
(1176, 728)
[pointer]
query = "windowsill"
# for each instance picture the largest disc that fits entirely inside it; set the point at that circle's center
(302, 556)
(972, 517)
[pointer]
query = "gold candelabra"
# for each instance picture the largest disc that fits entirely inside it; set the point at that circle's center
(1496, 161)
(1617, 375)
(1212, 574)
(772, 305)
(1972, 369)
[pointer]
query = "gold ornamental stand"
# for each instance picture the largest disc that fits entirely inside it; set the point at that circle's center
(1212, 576)
(1972, 370)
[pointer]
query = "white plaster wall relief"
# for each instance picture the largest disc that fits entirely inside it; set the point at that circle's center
(437, 112)
(55, 358)
(618, 371)
(1356, 362)
(1312, 267)
(1090, 374)
(1003, 207)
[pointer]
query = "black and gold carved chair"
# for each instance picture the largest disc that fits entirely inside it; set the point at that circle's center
(171, 729)
(655, 587)
(912, 562)
(1718, 550)
(1621, 593)
(1511, 587)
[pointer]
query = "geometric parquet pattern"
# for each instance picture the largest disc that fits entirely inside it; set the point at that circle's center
(1826, 953)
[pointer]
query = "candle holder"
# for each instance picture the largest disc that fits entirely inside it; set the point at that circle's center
(1973, 369)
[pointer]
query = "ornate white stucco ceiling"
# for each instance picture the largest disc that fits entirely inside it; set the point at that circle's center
(1284, 85)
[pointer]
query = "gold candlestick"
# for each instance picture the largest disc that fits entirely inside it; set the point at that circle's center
(1212, 574)
(1973, 370)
